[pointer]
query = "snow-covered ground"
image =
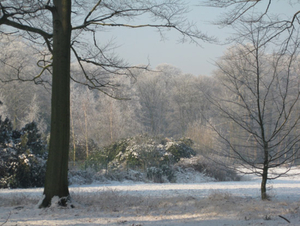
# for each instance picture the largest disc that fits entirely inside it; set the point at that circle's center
(142, 204)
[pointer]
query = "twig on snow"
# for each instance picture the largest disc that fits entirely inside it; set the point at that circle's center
(6, 219)
(284, 218)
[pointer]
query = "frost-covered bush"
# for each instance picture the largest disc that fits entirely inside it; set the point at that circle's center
(80, 177)
(180, 150)
(22, 156)
(99, 158)
(162, 174)
(26, 170)
(155, 174)
(209, 168)
(5, 132)
(154, 156)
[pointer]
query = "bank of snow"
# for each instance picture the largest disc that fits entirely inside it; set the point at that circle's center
(129, 203)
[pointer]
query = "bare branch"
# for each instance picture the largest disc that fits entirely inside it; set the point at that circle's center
(44, 34)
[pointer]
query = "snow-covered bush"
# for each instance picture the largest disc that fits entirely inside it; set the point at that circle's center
(209, 168)
(180, 150)
(5, 131)
(22, 156)
(154, 156)
(155, 174)
(160, 175)
(159, 160)
(80, 177)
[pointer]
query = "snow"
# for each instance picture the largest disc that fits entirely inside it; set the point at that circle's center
(204, 202)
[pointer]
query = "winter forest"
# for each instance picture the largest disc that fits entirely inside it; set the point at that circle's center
(72, 113)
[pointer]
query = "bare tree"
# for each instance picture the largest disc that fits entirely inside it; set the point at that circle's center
(260, 103)
(18, 97)
(63, 26)
(152, 94)
(185, 101)
(83, 112)
(256, 11)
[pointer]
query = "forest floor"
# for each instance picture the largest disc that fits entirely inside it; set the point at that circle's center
(142, 204)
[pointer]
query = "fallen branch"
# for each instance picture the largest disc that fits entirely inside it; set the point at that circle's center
(6, 219)
(284, 218)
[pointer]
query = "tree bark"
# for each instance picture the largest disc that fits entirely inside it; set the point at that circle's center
(263, 187)
(56, 183)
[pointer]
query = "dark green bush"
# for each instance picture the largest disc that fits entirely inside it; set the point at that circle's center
(134, 162)
(155, 174)
(181, 150)
(22, 156)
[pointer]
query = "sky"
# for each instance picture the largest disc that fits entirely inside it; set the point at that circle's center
(143, 46)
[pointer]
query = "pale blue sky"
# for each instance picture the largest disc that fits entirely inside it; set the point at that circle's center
(138, 46)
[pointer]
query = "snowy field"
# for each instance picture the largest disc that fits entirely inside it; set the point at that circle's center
(142, 204)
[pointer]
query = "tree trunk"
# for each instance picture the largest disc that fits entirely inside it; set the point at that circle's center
(263, 188)
(56, 183)
(73, 134)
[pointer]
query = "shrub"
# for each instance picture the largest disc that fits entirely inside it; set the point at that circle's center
(101, 157)
(210, 168)
(169, 173)
(155, 174)
(22, 156)
(161, 174)
(133, 161)
(21, 170)
(155, 156)
(180, 150)
(79, 177)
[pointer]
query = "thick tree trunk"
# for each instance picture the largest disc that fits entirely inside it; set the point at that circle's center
(56, 183)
